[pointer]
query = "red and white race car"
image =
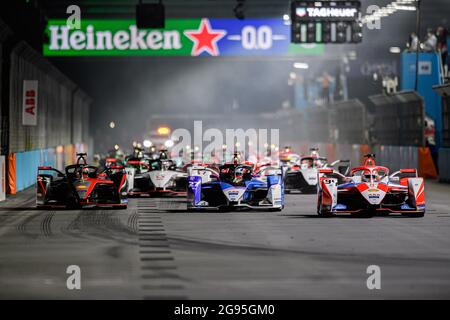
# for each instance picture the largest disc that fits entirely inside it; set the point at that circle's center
(370, 189)
(302, 172)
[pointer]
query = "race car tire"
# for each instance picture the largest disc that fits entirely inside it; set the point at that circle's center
(320, 212)
(326, 214)
(414, 214)
(364, 214)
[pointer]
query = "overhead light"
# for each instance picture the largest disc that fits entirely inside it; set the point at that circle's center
(116, 147)
(169, 143)
(147, 143)
(112, 124)
(395, 50)
(286, 17)
(301, 65)
(163, 131)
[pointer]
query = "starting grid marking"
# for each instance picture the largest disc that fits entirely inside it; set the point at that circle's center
(159, 278)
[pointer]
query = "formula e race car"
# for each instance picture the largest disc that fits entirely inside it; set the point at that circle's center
(235, 186)
(369, 190)
(81, 186)
(301, 175)
(155, 177)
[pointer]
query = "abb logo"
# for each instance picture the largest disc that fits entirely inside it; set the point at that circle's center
(30, 102)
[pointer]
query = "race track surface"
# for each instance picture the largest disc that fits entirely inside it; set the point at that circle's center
(156, 250)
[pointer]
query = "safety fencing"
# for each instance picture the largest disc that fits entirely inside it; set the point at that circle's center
(444, 164)
(444, 92)
(44, 115)
(398, 119)
(393, 157)
(22, 169)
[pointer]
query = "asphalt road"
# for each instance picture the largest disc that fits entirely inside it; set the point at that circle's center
(155, 250)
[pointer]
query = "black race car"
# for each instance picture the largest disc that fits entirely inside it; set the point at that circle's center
(81, 185)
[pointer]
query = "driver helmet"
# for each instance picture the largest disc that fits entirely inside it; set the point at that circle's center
(239, 174)
(370, 175)
(85, 171)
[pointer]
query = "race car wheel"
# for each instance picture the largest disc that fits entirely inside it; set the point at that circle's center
(325, 214)
(414, 214)
(364, 214)
(320, 211)
(225, 209)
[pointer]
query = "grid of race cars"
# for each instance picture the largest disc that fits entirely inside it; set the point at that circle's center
(364, 190)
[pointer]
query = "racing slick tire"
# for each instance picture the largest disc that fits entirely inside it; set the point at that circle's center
(414, 214)
(323, 213)
(276, 209)
(364, 214)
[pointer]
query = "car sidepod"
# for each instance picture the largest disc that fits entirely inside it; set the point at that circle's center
(194, 191)
(275, 191)
(304, 180)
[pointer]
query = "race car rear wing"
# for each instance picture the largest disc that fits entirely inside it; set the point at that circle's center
(206, 174)
(330, 173)
(49, 168)
(342, 166)
(404, 173)
(408, 171)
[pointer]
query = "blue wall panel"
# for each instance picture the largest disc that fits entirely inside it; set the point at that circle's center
(429, 75)
(27, 163)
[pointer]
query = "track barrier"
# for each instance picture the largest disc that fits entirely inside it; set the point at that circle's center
(444, 165)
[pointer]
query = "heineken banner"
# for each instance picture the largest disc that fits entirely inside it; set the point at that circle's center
(181, 37)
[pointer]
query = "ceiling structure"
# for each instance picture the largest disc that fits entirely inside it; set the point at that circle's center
(174, 8)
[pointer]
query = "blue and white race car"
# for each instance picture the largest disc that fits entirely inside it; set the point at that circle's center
(234, 186)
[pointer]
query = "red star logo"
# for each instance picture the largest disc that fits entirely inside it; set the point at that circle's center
(205, 39)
